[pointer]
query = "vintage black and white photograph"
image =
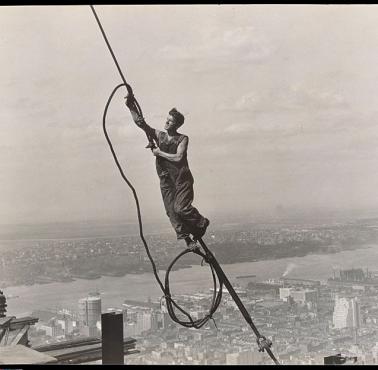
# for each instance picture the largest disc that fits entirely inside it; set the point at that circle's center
(189, 184)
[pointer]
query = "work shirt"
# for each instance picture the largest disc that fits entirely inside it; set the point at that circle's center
(174, 172)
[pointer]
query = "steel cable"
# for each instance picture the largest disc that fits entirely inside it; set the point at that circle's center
(217, 272)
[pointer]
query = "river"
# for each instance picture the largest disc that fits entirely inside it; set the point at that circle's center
(114, 290)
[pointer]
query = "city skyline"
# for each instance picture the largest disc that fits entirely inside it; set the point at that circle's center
(285, 274)
(304, 329)
(279, 103)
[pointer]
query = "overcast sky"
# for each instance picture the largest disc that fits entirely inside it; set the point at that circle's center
(280, 104)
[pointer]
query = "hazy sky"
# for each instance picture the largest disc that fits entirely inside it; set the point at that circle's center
(280, 104)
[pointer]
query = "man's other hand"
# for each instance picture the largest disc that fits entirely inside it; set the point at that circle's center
(156, 152)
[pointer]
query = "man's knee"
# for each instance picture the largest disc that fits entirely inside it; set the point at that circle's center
(180, 210)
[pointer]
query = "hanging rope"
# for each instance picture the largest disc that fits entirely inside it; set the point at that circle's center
(128, 87)
(219, 278)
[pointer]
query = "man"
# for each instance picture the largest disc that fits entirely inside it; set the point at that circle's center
(176, 180)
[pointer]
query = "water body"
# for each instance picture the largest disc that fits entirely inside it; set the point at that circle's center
(114, 290)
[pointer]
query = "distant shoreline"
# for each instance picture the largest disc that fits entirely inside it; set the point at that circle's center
(86, 229)
(96, 276)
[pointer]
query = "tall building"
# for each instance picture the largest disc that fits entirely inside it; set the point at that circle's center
(138, 322)
(299, 295)
(90, 310)
(244, 357)
(305, 295)
(66, 324)
(285, 293)
(53, 328)
(346, 313)
(374, 352)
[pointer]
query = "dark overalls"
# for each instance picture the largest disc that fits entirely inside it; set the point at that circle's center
(176, 184)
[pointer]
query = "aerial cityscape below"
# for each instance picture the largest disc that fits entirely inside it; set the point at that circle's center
(67, 283)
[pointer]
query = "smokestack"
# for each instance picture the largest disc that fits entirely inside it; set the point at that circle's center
(290, 267)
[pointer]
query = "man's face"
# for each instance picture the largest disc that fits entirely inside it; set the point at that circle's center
(170, 123)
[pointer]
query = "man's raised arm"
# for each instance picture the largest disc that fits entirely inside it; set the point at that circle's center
(138, 119)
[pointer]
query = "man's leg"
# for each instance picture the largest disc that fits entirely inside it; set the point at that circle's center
(188, 214)
(168, 193)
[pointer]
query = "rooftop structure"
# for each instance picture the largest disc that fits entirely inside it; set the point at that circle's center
(82, 350)
(19, 354)
(15, 330)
